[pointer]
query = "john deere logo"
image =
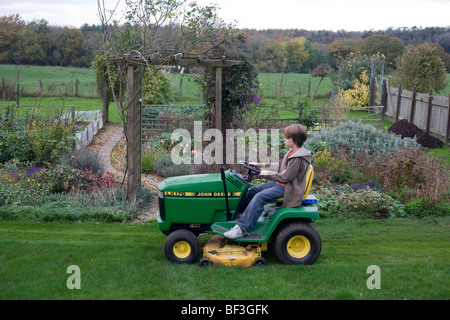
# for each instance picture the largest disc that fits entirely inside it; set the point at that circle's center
(200, 194)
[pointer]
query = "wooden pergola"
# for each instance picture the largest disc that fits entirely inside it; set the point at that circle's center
(134, 111)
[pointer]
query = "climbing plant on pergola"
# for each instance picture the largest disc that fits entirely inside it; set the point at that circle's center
(156, 33)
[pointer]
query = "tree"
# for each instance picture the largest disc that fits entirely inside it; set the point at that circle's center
(421, 66)
(390, 47)
(270, 57)
(296, 53)
(72, 47)
(9, 28)
(445, 57)
(28, 47)
(341, 49)
(351, 69)
(320, 71)
(153, 32)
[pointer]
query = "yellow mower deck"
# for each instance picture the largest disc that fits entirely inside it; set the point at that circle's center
(219, 250)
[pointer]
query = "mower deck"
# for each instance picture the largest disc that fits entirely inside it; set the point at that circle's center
(219, 250)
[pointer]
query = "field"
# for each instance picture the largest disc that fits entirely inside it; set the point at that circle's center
(126, 261)
(56, 81)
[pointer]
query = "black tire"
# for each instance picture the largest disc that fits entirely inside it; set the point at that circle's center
(297, 243)
(182, 246)
(205, 262)
(259, 262)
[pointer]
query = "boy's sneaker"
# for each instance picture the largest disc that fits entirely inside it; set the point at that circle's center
(234, 233)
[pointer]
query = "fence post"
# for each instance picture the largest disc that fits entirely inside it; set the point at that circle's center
(448, 121)
(41, 88)
(372, 92)
(413, 105)
(73, 113)
(77, 83)
(380, 117)
(105, 99)
(430, 105)
(399, 100)
(384, 96)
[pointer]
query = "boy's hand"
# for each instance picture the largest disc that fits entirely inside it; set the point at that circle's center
(266, 173)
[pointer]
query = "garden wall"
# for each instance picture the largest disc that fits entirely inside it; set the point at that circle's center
(96, 122)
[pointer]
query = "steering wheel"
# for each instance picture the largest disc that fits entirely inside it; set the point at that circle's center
(253, 170)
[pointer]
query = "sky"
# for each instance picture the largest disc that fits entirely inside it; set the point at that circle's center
(349, 15)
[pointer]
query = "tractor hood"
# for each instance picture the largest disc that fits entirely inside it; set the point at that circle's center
(192, 183)
(210, 184)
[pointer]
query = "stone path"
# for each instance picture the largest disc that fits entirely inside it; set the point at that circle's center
(107, 148)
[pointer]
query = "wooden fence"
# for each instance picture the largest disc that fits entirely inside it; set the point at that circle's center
(429, 112)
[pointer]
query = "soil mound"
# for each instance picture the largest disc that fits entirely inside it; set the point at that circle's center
(404, 128)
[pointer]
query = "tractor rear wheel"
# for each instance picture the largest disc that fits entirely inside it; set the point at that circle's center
(182, 246)
(297, 243)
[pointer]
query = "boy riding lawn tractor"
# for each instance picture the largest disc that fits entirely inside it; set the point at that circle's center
(243, 219)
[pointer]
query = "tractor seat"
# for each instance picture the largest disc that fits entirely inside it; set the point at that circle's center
(308, 182)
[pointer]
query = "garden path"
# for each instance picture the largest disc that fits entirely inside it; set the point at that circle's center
(103, 144)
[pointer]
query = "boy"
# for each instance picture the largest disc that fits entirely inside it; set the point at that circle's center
(288, 182)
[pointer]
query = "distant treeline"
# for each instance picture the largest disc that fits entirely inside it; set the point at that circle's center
(272, 50)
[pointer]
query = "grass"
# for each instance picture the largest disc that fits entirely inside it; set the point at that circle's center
(56, 81)
(80, 103)
(126, 261)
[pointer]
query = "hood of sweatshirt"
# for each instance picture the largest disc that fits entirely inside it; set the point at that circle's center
(302, 153)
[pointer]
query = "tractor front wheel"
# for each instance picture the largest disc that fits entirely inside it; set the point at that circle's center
(182, 246)
(298, 243)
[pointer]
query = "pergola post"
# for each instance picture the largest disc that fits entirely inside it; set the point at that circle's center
(218, 106)
(134, 131)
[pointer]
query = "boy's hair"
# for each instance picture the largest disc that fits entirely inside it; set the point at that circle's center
(297, 133)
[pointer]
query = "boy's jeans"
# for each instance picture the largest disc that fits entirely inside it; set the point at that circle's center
(257, 197)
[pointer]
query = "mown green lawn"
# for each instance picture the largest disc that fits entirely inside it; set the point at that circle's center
(126, 261)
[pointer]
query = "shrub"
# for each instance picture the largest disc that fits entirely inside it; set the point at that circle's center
(38, 139)
(421, 66)
(414, 174)
(99, 206)
(21, 189)
(344, 201)
(83, 160)
(14, 144)
(354, 66)
(357, 137)
(64, 179)
(358, 95)
(165, 167)
(426, 207)
(49, 139)
(327, 169)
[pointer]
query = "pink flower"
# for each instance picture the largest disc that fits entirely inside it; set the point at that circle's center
(193, 152)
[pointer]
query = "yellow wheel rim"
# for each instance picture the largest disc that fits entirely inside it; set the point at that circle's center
(298, 247)
(182, 249)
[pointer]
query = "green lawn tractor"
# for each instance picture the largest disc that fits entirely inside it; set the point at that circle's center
(190, 206)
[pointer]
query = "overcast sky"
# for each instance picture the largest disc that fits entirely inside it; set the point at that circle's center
(350, 15)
